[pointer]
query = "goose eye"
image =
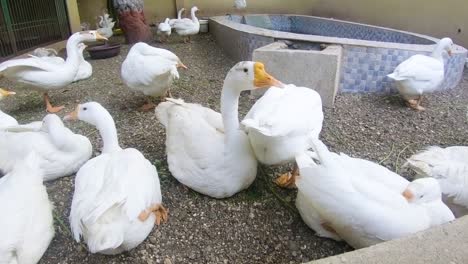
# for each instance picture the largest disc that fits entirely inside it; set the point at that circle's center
(84, 108)
(246, 70)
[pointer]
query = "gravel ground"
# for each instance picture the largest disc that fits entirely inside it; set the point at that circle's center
(259, 225)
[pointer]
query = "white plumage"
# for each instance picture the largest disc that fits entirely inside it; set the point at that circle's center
(116, 192)
(187, 27)
(421, 74)
(280, 123)
(42, 74)
(240, 4)
(449, 166)
(360, 211)
(164, 29)
(206, 151)
(26, 225)
(59, 150)
(150, 70)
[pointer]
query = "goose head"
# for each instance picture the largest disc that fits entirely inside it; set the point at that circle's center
(50, 121)
(446, 44)
(250, 75)
(422, 191)
(195, 9)
(91, 113)
(5, 93)
(89, 36)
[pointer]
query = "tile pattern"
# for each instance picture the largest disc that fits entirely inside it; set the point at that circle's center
(237, 44)
(364, 69)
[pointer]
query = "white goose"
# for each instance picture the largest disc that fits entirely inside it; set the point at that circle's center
(60, 151)
(364, 213)
(26, 225)
(164, 30)
(117, 195)
(43, 75)
(280, 124)
(150, 70)
(85, 70)
(206, 151)
(450, 167)
(187, 27)
(421, 74)
(179, 16)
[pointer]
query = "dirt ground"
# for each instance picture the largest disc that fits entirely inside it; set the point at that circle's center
(261, 224)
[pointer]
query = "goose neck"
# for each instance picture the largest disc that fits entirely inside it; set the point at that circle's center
(229, 109)
(108, 132)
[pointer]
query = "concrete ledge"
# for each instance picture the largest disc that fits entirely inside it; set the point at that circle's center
(446, 244)
(304, 65)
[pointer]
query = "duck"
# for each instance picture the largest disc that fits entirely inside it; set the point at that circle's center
(41, 75)
(61, 152)
(370, 212)
(187, 27)
(117, 198)
(280, 124)
(179, 16)
(164, 30)
(150, 70)
(206, 151)
(421, 74)
(449, 166)
(26, 224)
(85, 70)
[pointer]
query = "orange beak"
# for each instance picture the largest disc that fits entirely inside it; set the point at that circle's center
(181, 65)
(6, 93)
(408, 195)
(262, 79)
(73, 115)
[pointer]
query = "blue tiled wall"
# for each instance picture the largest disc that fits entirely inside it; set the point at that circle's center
(364, 69)
(330, 28)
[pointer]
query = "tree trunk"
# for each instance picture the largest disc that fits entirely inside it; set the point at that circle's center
(132, 21)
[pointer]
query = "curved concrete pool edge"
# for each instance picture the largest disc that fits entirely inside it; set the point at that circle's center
(365, 63)
(445, 244)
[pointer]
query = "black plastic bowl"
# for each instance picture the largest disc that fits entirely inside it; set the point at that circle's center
(107, 50)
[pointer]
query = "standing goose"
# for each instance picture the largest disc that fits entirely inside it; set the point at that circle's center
(364, 213)
(150, 70)
(43, 75)
(26, 225)
(421, 74)
(164, 30)
(206, 151)
(187, 27)
(280, 124)
(449, 166)
(179, 16)
(59, 150)
(117, 197)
